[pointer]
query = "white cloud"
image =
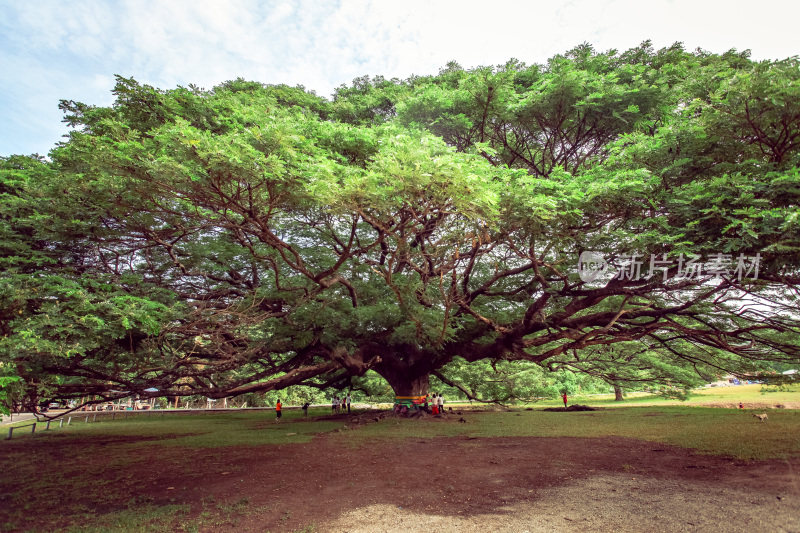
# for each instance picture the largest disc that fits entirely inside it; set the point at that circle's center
(54, 49)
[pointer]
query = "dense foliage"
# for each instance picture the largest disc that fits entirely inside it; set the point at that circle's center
(252, 237)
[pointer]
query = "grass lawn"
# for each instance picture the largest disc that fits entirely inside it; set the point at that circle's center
(176, 428)
(731, 432)
(753, 395)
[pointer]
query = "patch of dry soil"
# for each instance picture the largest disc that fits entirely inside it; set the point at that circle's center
(621, 485)
(453, 484)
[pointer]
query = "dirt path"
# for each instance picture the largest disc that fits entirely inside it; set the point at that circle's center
(433, 485)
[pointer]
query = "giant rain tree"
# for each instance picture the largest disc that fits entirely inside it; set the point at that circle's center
(251, 237)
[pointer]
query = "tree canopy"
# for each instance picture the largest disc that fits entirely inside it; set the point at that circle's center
(250, 237)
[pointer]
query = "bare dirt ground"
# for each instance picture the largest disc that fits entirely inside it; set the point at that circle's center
(433, 485)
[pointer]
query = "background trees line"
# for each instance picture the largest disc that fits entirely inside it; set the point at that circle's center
(251, 237)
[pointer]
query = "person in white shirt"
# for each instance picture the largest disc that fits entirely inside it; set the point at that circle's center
(441, 403)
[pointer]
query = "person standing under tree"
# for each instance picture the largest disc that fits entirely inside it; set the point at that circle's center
(348, 403)
(564, 397)
(278, 411)
(441, 404)
(305, 409)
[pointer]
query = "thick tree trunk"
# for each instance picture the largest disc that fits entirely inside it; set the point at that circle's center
(406, 372)
(405, 386)
(618, 393)
(409, 393)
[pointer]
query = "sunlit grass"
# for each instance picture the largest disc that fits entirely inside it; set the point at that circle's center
(754, 395)
(748, 394)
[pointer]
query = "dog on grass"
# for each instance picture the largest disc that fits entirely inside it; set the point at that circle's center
(761, 417)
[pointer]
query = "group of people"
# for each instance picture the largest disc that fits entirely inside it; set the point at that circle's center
(342, 403)
(434, 404)
(337, 405)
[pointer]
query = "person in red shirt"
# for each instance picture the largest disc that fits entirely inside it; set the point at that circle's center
(278, 411)
(564, 397)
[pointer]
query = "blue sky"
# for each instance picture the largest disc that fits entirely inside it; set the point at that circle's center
(71, 49)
